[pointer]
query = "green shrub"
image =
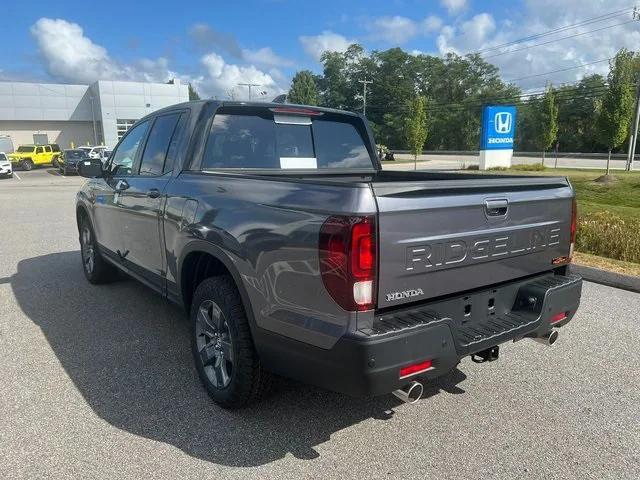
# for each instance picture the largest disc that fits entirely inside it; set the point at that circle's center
(608, 235)
(499, 169)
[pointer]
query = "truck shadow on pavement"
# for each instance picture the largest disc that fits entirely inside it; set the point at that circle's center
(127, 351)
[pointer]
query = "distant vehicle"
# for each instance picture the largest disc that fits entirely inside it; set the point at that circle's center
(31, 156)
(5, 166)
(95, 152)
(68, 161)
(297, 254)
(6, 144)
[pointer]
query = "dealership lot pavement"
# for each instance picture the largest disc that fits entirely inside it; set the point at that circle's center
(97, 382)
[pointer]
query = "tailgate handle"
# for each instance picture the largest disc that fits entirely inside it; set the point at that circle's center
(496, 208)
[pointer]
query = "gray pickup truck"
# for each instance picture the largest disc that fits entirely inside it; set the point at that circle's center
(296, 254)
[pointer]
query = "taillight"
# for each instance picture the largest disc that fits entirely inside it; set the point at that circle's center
(574, 225)
(348, 261)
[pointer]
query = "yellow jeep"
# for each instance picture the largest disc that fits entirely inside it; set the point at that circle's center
(30, 156)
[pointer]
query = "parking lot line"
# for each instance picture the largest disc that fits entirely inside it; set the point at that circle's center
(17, 176)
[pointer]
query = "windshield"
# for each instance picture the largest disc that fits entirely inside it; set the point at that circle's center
(88, 149)
(245, 140)
(25, 149)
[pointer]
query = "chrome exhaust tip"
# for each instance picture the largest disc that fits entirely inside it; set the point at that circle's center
(548, 339)
(410, 393)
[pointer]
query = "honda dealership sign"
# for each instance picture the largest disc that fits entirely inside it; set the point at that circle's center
(496, 140)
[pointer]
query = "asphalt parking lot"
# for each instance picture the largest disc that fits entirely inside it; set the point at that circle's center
(97, 382)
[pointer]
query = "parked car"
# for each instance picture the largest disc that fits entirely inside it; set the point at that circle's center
(30, 156)
(5, 166)
(95, 152)
(68, 161)
(296, 254)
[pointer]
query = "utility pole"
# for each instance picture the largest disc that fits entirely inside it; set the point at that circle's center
(634, 132)
(249, 85)
(364, 95)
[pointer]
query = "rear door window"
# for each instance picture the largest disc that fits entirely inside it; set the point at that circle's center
(260, 141)
(155, 151)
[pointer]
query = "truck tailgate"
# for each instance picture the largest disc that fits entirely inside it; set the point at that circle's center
(445, 236)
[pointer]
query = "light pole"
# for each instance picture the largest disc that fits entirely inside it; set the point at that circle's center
(249, 85)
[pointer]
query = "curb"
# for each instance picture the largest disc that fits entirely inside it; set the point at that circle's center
(605, 277)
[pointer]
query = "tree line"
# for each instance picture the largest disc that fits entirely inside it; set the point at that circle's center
(444, 97)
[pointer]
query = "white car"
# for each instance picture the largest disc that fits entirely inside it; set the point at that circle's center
(5, 166)
(95, 152)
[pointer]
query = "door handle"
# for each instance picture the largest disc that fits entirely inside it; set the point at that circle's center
(153, 193)
(121, 186)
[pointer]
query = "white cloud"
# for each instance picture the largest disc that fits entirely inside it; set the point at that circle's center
(223, 78)
(71, 56)
(469, 36)
(396, 30)
(539, 16)
(454, 6)
(265, 56)
(431, 24)
(327, 41)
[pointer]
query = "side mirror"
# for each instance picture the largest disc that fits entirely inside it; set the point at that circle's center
(90, 168)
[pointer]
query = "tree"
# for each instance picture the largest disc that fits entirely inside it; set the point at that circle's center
(617, 104)
(303, 89)
(193, 95)
(547, 121)
(417, 126)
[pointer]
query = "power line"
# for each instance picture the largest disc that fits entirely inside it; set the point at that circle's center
(599, 18)
(559, 70)
(563, 95)
(558, 39)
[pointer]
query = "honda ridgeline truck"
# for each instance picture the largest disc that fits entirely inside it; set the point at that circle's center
(296, 254)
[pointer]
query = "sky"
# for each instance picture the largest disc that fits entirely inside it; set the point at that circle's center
(217, 44)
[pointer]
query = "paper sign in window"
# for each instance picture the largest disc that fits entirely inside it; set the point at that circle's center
(298, 162)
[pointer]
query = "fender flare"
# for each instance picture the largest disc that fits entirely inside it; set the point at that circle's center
(223, 257)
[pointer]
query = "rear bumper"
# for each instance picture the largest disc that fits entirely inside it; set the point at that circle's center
(368, 362)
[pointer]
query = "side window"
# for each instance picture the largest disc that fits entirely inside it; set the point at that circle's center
(172, 154)
(39, 150)
(47, 149)
(155, 151)
(121, 161)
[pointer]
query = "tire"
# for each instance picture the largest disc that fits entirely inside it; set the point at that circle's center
(95, 268)
(55, 163)
(64, 171)
(27, 164)
(222, 346)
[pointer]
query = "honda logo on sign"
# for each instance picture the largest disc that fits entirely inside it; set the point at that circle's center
(502, 121)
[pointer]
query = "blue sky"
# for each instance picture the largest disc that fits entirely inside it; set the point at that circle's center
(215, 44)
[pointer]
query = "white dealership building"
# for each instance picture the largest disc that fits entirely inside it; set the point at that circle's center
(93, 114)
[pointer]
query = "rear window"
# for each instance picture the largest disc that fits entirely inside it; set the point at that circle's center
(74, 154)
(241, 140)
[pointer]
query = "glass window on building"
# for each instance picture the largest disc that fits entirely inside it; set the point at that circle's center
(122, 125)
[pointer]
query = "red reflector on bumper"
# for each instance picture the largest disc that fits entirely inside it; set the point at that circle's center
(416, 368)
(559, 317)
